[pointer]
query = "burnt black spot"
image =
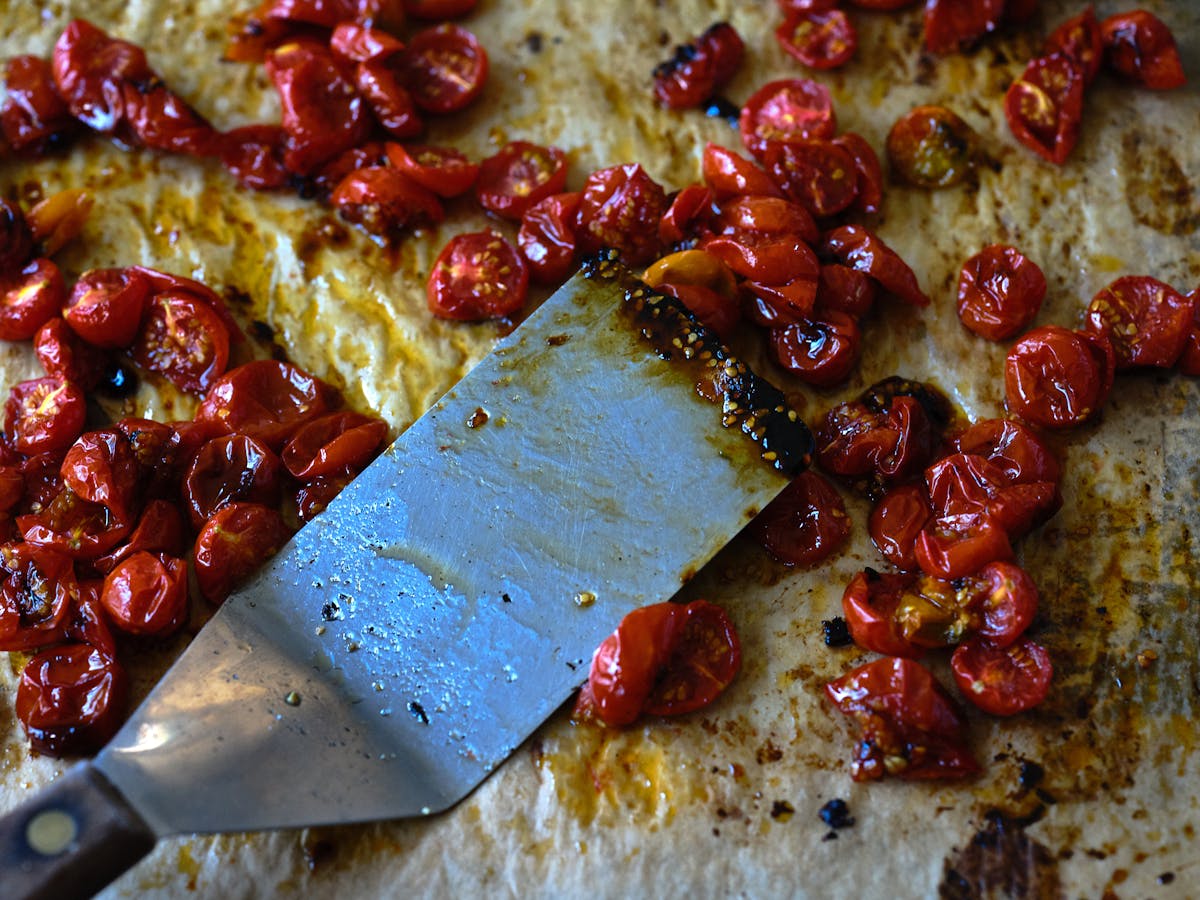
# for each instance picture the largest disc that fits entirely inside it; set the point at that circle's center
(836, 632)
(836, 814)
(118, 381)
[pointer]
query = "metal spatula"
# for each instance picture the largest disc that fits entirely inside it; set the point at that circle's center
(409, 638)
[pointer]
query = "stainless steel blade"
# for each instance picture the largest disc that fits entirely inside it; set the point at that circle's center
(409, 638)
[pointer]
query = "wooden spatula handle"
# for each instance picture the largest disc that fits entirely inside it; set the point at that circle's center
(70, 840)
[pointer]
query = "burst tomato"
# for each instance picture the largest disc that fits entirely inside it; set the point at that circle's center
(184, 340)
(71, 699)
(384, 201)
(861, 249)
(253, 154)
(89, 71)
(699, 69)
(146, 594)
(37, 588)
(519, 175)
(1003, 681)
(952, 25)
(233, 544)
(445, 68)
(792, 109)
(620, 209)
(896, 520)
(1058, 378)
(1000, 291)
(1079, 38)
(805, 524)
(821, 352)
(266, 400)
(230, 469)
(1146, 321)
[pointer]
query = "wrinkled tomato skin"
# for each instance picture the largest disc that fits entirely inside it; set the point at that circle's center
(819, 175)
(547, 237)
(159, 118)
(384, 201)
(793, 109)
(731, 175)
(1044, 106)
(519, 175)
(1003, 681)
(757, 215)
(952, 25)
(805, 524)
(1000, 291)
(147, 595)
(869, 606)
(1146, 321)
(845, 290)
(1056, 378)
(688, 214)
(34, 119)
(821, 352)
(63, 354)
(820, 39)
(101, 467)
(477, 276)
(352, 43)
(37, 589)
(87, 622)
(772, 259)
(332, 173)
(909, 727)
(699, 69)
(1079, 38)
(30, 299)
(620, 209)
(445, 68)
(860, 248)
(1139, 46)
(266, 400)
(233, 544)
(89, 70)
(159, 530)
(253, 154)
(71, 699)
(896, 520)
(869, 182)
(381, 83)
(183, 340)
(964, 488)
(1006, 602)
(44, 415)
(314, 495)
(106, 306)
(704, 657)
(1015, 449)
(74, 526)
(230, 469)
(341, 440)
(951, 553)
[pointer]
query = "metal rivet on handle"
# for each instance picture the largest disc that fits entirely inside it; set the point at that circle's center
(51, 832)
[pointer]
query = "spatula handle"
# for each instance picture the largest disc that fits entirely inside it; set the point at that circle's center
(70, 839)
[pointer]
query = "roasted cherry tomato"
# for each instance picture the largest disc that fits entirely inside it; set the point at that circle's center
(805, 524)
(717, 312)
(547, 237)
(58, 220)
(1000, 291)
(908, 726)
(699, 69)
(313, 496)
(230, 469)
(29, 299)
(952, 25)
(369, 155)
(819, 175)
(1003, 681)
(337, 441)
(759, 215)
(233, 544)
(821, 39)
(352, 43)
(950, 551)
(159, 530)
(1140, 46)
(102, 467)
(730, 175)
(666, 659)
(1019, 453)
(869, 606)
(184, 340)
(71, 699)
(1079, 38)
(1147, 321)
(869, 174)
(34, 119)
(792, 109)
(44, 414)
(519, 175)
(1056, 378)
(106, 306)
(896, 520)
(1005, 599)
(37, 588)
(439, 10)
(764, 257)
(253, 154)
(703, 284)
(87, 622)
(932, 147)
(74, 526)
(160, 119)
(445, 68)
(620, 209)
(1045, 105)
(146, 594)
(384, 201)
(266, 400)
(882, 444)
(821, 352)
(689, 213)
(964, 489)
(160, 454)
(845, 290)
(382, 83)
(89, 71)
(477, 276)
(443, 170)
(861, 249)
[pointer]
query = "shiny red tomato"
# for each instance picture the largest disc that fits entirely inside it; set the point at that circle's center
(384, 201)
(1005, 599)
(1079, 38)
(519, 175)
(715, 311)
(352, 42)
(931, 147)
(106, 306)
(74, 526)
(253, 154)
(101, 467)
(953, 25)
(731, 175)
(34, 119)
(908, 726)
(382, 84)
(547, 237)
(29, 299)
(87, 622)
(664, 659)
(1000, 291)
(1003, 681)
(477, 276)
(266, 400)
(884, 444)
(89, 71)
(16, 239)
(1146, 321)
(699, 69)
(1141, 47)
(792, 109)
(869, 606)
(313, 496)
(71, 699)
(783, 305)
(767, 258)
(183, 340)
(820, 39)
(63, 354)
(159, 530)
(1020, 454)
(949, 551)
(160, 119)
(42, 477)
(368, 155)
(43, 415)
(231, 469)
(37, 587)
(688, 215)
(1045, 105)
(341, 440)
(821, 352)
(805, 524)
(818, 174)
(233, 544)
(443, 170)
(1056, 378)
(439, 10)
(620, 209)
(861, 249)
(444, 68)
(896, 520)
(845, 290)
(760, 215)
(869, 174)
(146, 594)
(965, 489)
(160, 456)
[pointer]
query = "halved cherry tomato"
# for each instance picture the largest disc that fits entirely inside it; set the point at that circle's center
(859, 248)
(953, 25)
(439, 10)
(34, 119)
(932, 147)
(664, 659)
(821, 39)
(71, 699)
(896, 520)
(805, 524)
(160, 119)
(1079, 38)
(74, 526)
(1140, 46)
(160, 453)
(44, 414)
(368, 155)
(790, 303)
(159, 530)
(231, 469)
(620, 209)
(869, 606)
(845, 290)
(869, 181)
(253, 154)
(382, 82)
(1006, 600)
(266, 400)
(767, 258)
(699, 69)
(519, 175)
(792, 109)
(821, 352)
(341, 440)
(146, 594)
(819, 175)
(908, 726)
(29, 299)
(1058, 378)
(1000, 291)
(766, 216)
(1147, 321)
(1045, 105)
(730, 175)
(1019, 453)
(384, 201)
(89, 69)
(233, 544)
(547, 237)
(949, 551)
(37, 588)
(1003, 681)
(43, 480)
(352, 42)
(689, 213)
(443, 170)
(101, 467)
(477, 276)
(183, 340)
(106, 306)
(445, 68)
